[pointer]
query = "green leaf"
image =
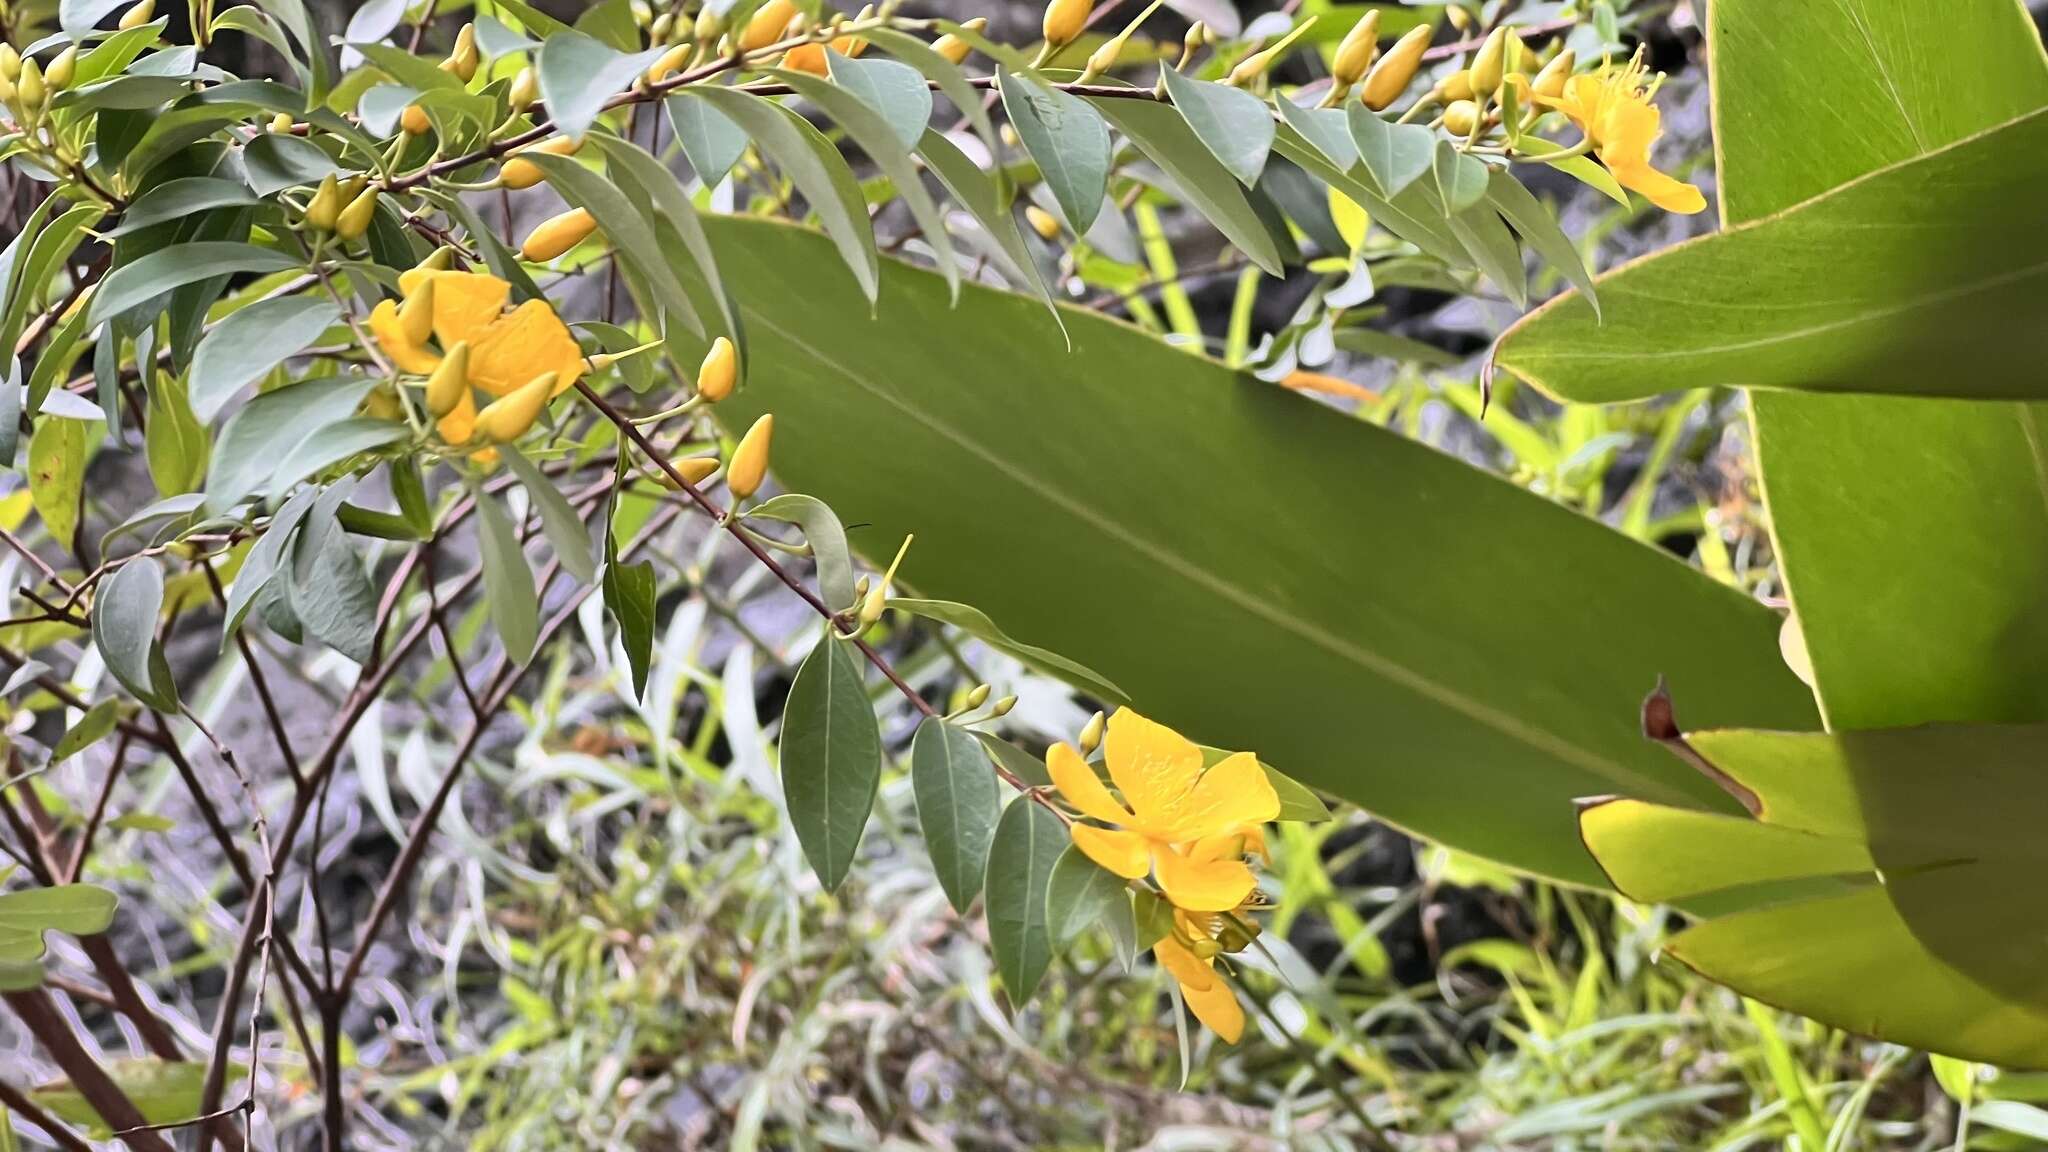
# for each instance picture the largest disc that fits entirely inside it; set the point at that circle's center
(174, 199)
(1414, 215)
(508, 582)
(1577, 166)
(1028, 842)
(1078, 894)
(1954, 274)
(1537, 226)
(56, 469)
(976, 623)
(711, 141)
(328, 592)
(1068, 141)
(176, 443)
(141, 822)
(160, 271)
(263, 560)
(1019, 763)
(73, 909)
(52, 247)
(1328, 130)
(973, 190)
(662, 199)
(882, 141)
(558, 519)
(578, 74)
(273, 162)
(814, 165)
(1396, 155)
(1154, 916)
(957, 806)
(629, 595)
(827, 538)
(89, 730)
(831, 759)
(249, 342)
(1234, 125)
(1166, 140)
(1493, 248)
(1460, 177)
(165, 1092)
(1524, 690)
(124, 615)
(896, 92)
(267, 429)
(942, 72)
(630, 234)
(1297, 802)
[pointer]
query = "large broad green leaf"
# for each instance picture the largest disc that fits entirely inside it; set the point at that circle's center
(1937, 939)
(1925, 278)
(1370, 616)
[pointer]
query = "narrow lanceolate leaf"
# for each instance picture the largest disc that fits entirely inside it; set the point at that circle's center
(1326, 129)
(251, 341)
(957, 805)
(1079, 894)
(711, 141)
(508, 582)
(973, 190)
(264, 560)
(895, 91)
(831, 759)
(1028, 841)
(1166, 140)
(328, 591)
(629, 596)
(1395, 155)
(827, 538)
(167, 268)
(263, 432)
(1232, 123)
(976, 623)
(1066, 139)
(1460, 177)
(124, 615)
(90, 728)
(558, 520)
(1539, 228)
(579, 73)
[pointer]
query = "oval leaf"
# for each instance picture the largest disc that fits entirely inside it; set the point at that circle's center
(957, 805)
(1028, 841)
(831, 759)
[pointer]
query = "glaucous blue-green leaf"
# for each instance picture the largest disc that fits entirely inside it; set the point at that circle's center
(175, 443)
(275, 161)
(124, 615)
(330, 445)
(670, 210)
(943, 73)
(1539, 228)
(827, 539)
(166, 268)
(957, 806)
(1326, 129)
(1460, 177)
(896, 92)
(1165, 139)
(1234, 125)
(1080, 894)
(711, 141)
(1323, 617)
(251, 341)
(558, 518)
(1395, 155)
(579, 73)
(263, 560)
(508, 582)
(973, 190)
(1493, 248)
(1915, 927)
(831, 758)
(264, 431)
(1028, 842)
(329, 594)
(630, 234)
(1068, 141)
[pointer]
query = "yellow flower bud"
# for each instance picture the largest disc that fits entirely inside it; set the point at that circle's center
(1550, 81)
(1042, 222)
(518, 173)
(414, 121)
(58, 75)
(642, 14)
(1254, 66)
(767, 24)
(1461, 117)
(710, 22)
(952, 47)
(139, 15)
(1104, 58)
(449, 384)
(1197, 35)
(10, 63)
(353, 187)
(1459, 18)
(1064, 21)
(1003, 706)
(657, 32)
(281, 123)
(1490, 62)
(525, 90)
(325, 206)
(416, 314)
(852, 46)
(716, 375)
(1458, 85)
(1391, 76)
(750, 459)
(508, 417)
(557, 235)
(670, 63)
(1355, 54)
(1091, 733)
(355, 219)
(8, 91)
(805, 58)
(874, 604)
(30, 87)
(978, 696)
(439, 260)
(382, 404)
(463, 60)
(694, 469)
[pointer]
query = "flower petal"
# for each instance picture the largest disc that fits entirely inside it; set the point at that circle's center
(464, 302)
(1202, 885)
(1077, 781)
(460, 423)
(1154, 765)
(1217, 1007)
(417, 359)
(1191, 973)
(512, 350)
(1227, 797)
(1127, 854)
(1665, 191)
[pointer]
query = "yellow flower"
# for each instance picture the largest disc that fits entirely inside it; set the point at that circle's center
(1189, 827)
(1612, 107)
(1189, 956)
(506, 349)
